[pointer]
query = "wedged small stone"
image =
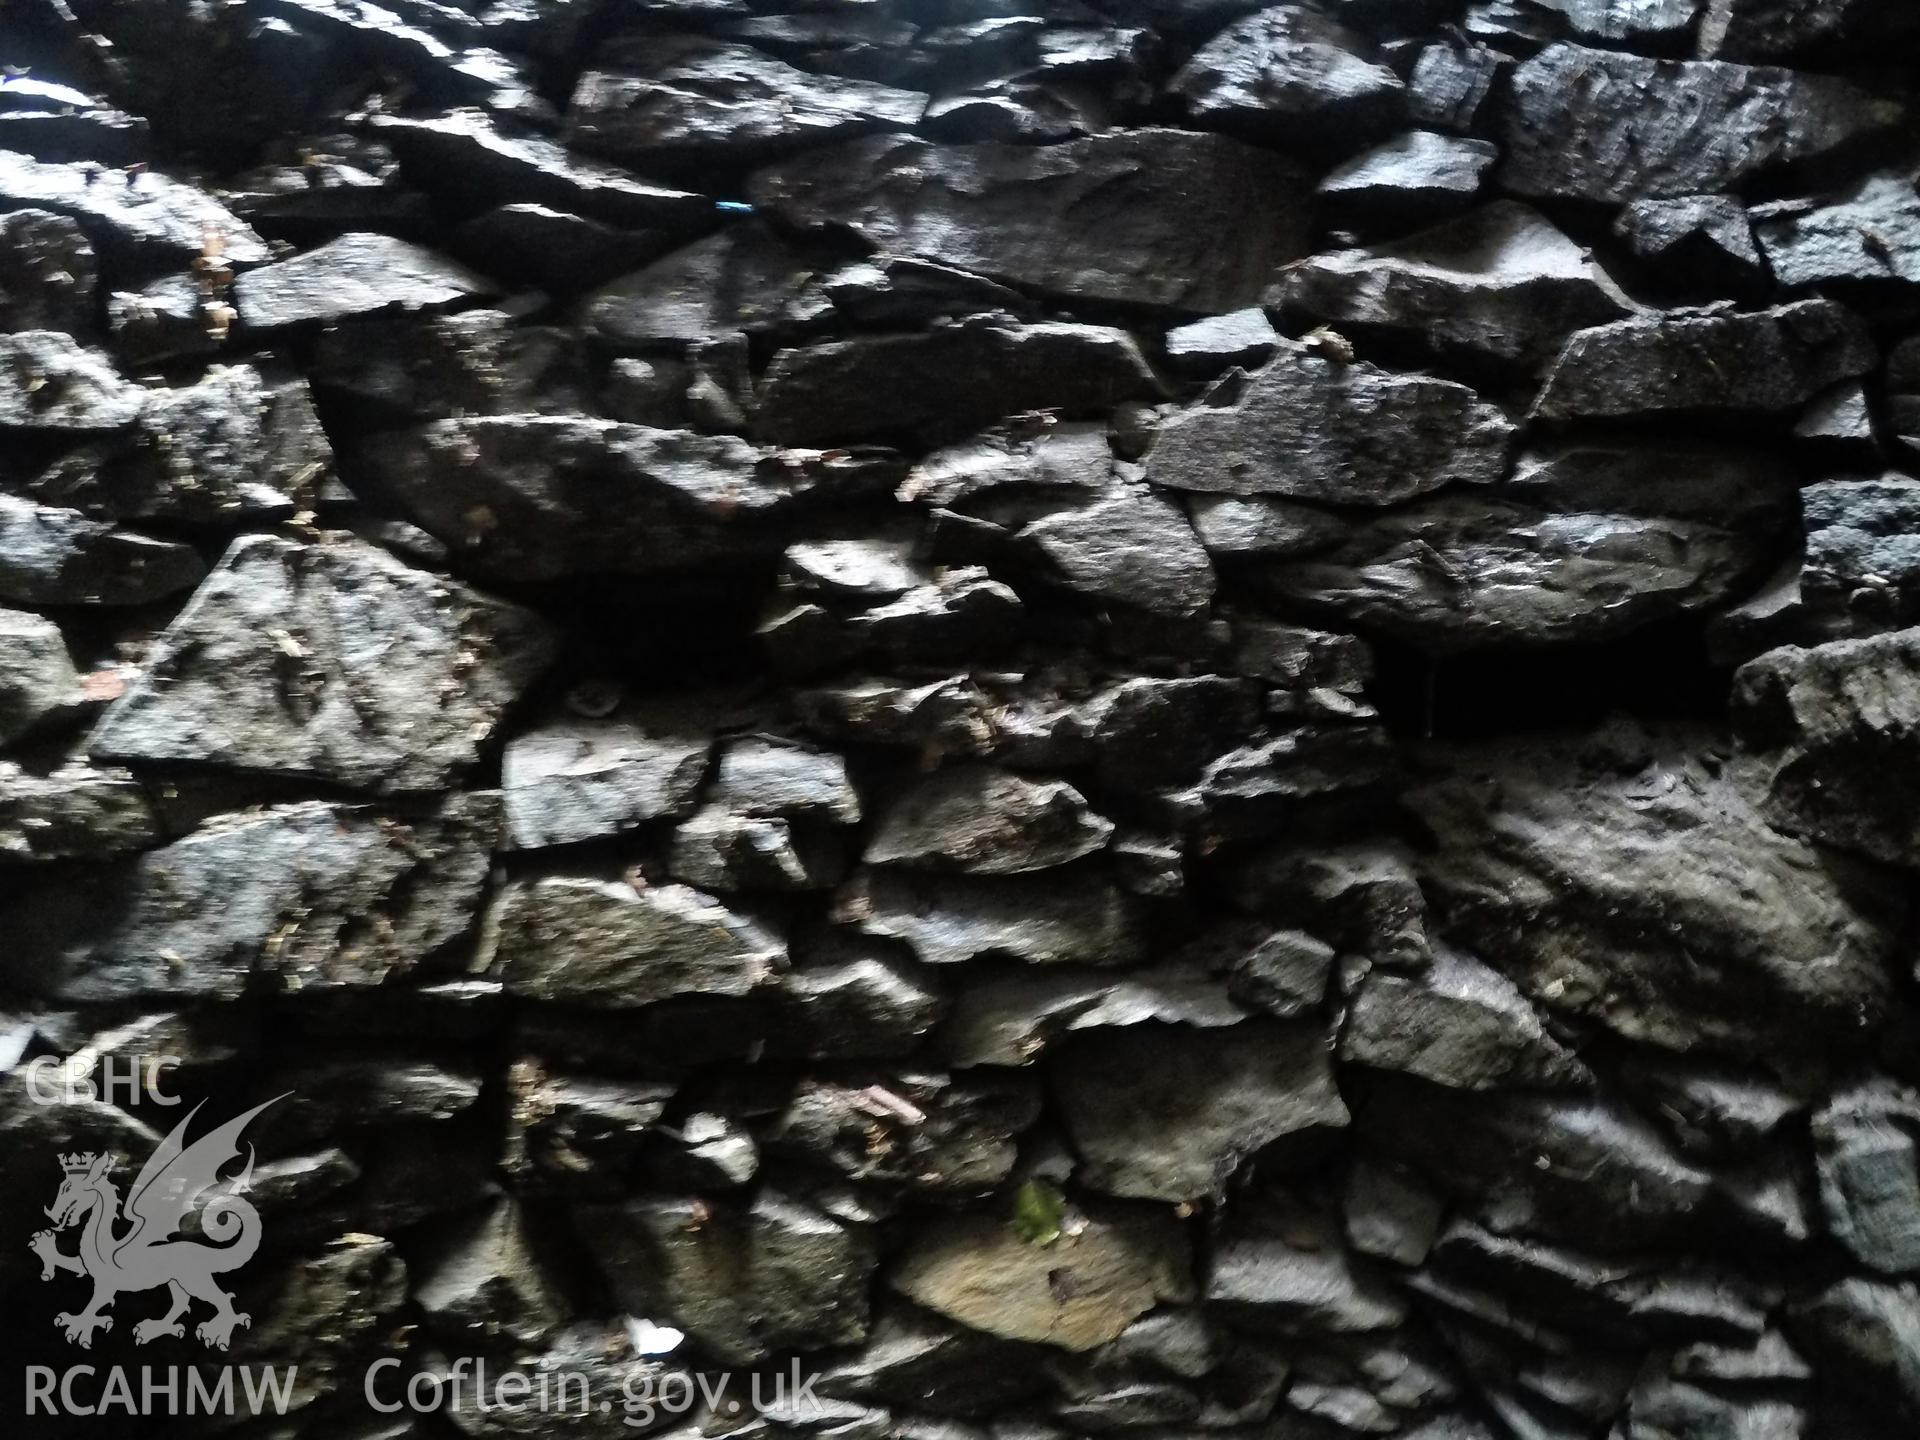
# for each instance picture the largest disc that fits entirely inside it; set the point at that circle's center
(55, 556)
(1041, 918)
(1170, 1112)
(604, 943)
(941, 384)
(1009, 1018)
(1206, 347)
(1862, 569)
(1292, 77)
(356, 274)
(37, 678)
(149, 219)
(1263, 1283)
(718, 850)
(691, 101)
(1831, 723)
(1706, 361)
(305, 896)
(1309, 428)
(1702, 240)
(1421, 175)
(1390, 1215)
(743, 1280)
(1502, 285)
(48, 273)
(1362, 896)
(708, 1152)
(1299, 658)
(1077, 1293)
(544, 496)
(165, 319)
(1863, 242)
(856, 1001)
(482, 1280)
(349, 1092)
(332, 660)
(1711, 1107)
(428, 367)
(1452, 84)
(1284, 973)
(48, 382)
(74, 813)
(576, 780)
(980, 821)
(463, 153)
(1785, 29)
(1265, 788)
(1457, 1023)
(1670, 923)
(916, 1360)
(745, 278)
(904, 290)
(567, 1128)
(560, 252)
(1648, 25)
(768, 777)
(1134, 215)
(928, 1132)
(1132, 547)
(1072, 459)
(1770, 1358)
(1864, 1142)
(1838, 425)
(1606, 126)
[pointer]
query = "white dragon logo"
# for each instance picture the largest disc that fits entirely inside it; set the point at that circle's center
(146, 1254)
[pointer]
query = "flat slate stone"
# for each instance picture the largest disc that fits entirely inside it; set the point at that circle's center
(354, 275)
(1421, 175)
(1311, 428)
(154, 220)
(1156, 217)
(579, 780)
(49, 275)
(331, 660)
(55, 556)
(1043, 919)
(49, 382)
(37, 678)
(1869, 240)
(976, 820)
(1605, 126)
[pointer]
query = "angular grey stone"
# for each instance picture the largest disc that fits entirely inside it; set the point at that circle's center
(604, 943)
(1010, 1018)
(1839, 424)
(354, 275)
(1042, 918)
(862, 571)
(1713, 360)
(1865, 241)
(48, 382)
(1502, 285)
(303, 897)
(1291, 76)
(1133, 547)
(1343, 434)
(74, 813)
(745, 278)
(942, 384)
(1704, 240)
(902, 290)
(1605, 126)
(427, 367)
(52, 556)
(1670, 923)
(585, 779)
(1458, 1023)
(742, 1280)
(465, 154)
(1864, 1143)
(1206, 347)
(1285, 974)
(37, 678)
(1389, 1215)
(564, 1128)
(48, 274)
(761, 776)
(928, 1132)
(1296, 657)
(979, 821)
(1451, 85)
(152, 219)
(719, 850)
(331, 660)
(1170, 1112)
(691, 101)
(1134, 215)
(1418, 176)
(1832, 722)
(1077, 1293)
(1783, 29)
(482, 1280)
(1264, 1283)
(1642, 24)
(913, 1359)
(1862, 569)
(852, 1002)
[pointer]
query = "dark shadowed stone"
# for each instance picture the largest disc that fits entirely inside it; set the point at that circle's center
(1867, 241)
(944, 383)
(687, 101)
(1838, 425)
(1417, 176)
(584, 779)
(354, 275)
(1158, 217)
(1834, 723)
(562, 1127)
(743, 279)
(52, 556)
(742, 1279)
(1451, 86)
(428, 367)
(1266, 1284)
(1691, 361)
(303, 897)
(1206, 347)
(981, 821)
(1656, 900)
(1864, 1143)
(929, 1132)
(1170, 1112)
(152, 221)
(48, 275)
(48, 382)
(465, 154)
(719, 850)
(542, 496)
(1074, 918)
(1863, 1337)
(482, 1280)
(555, 249)
(1599, 125)
(332, 660)
(1110, 1266)
(1785, 29)
(1701, 240)
(1291, 76)
(1502, 285)
(37, 678)
(917, 1361)
(856, 1001)
(1009, 1018)
(1343, 434)
(75, 813)
(602, 942)
(1390, 1215)
(1133, 547)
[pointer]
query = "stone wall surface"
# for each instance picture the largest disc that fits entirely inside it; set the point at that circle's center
(1067, 718)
